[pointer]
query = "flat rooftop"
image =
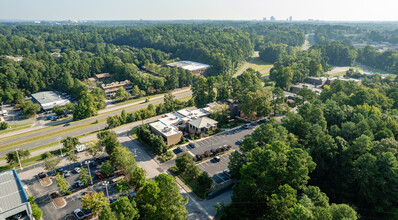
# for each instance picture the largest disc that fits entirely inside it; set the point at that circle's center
(171, 118)
(192, 113)
(49, 99)
(164, 129)
(189, 65)
(12, 193)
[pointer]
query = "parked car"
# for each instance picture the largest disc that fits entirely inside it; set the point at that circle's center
(192, 145)
(66, 124)
(213, 151)
(246, 126)
(100, 176)
(94, 164)
(60, 170)
(66, 173)
(79, 183)
(79, 214)
(227, 173)
(54, 195)
(198, 157)
(217, 158)
(77, 170)
(179, 148)
(239, 142)
(42, 175)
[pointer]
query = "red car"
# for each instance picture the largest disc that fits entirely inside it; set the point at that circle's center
(100, 176)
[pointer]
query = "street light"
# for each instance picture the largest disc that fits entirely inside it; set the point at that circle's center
(106, 183)
(89, 173)
(18, 158)
(59, 143)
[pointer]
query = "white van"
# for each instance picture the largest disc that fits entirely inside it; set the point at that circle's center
(5, 113)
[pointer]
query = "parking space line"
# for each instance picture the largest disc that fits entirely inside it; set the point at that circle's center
(221, 177)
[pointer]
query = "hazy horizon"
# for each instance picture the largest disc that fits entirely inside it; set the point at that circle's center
(338, 10)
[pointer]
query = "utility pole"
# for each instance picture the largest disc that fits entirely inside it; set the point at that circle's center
(59, 143)
(18, 158)
(89, 173)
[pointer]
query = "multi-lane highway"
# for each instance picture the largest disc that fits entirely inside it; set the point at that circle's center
(50, 135)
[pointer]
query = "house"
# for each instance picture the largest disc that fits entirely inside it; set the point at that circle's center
(295, 88)
(13, 198)
(316, 81)
(100, 77)
(170, 133)
(48, 100)
(194, 67)
(201, 125)
(111, 88)
(16, 59)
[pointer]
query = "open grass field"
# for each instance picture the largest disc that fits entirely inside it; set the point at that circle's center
(16, 127)
(260, 65)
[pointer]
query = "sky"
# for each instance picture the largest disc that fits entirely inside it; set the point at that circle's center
(330, 10)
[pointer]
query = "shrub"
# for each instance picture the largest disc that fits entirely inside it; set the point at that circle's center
(3, 125)
(174, 169)
(36, 211)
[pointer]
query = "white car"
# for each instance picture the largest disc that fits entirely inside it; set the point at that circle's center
(77, 170)
(79, 214)
(79, 183)
(66, 173)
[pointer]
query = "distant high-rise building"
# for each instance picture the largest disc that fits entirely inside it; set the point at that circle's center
(290, 18)
(273, 18)
(264, 19)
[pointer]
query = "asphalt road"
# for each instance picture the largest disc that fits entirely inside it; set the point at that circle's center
(78, 132)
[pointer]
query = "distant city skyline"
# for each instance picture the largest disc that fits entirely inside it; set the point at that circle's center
(327, 10)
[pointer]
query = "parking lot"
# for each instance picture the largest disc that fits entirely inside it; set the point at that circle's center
(73, 201)
(215, 169)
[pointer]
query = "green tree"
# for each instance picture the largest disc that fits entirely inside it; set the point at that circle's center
(3, 125)
(125, 209)
(72, 156)
(107, 214)
(85, 108)
(70, 143)
(36, 211)
(138, 178)
(94, 149)
(107, 168)
(136, 91)
(161, 199)
(94, 201)
(62, 184)
(184, 161)
(12, 156)
(50, 162)
(220, 113)
(277, 100)
(121, 94)
(343, 212)
(205, 181)
(29, 109)
(58, 110)
(122, 186)
(85, 177)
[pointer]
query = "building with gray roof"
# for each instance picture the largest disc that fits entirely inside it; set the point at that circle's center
(13, 198)
(48, 100)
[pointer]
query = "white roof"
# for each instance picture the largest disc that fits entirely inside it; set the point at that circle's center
(189, 65)
(171, 118)
(49, 99)
(12, 193)
(164, 129)
(193, 113)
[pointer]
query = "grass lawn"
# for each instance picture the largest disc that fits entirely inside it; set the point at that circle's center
(341, 74)
(260, 65)
(16, 127)
(143, 98)
(194, 187)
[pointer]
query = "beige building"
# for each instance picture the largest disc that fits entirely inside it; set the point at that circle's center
(111, 88)
(201, 125)
(100, 77)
